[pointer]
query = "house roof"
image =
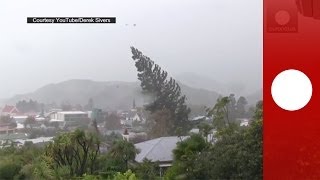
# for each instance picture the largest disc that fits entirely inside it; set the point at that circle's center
(9, 109)
(13, 136)
(131, 114)
(36, 140)
(159, 149)
(72, 112)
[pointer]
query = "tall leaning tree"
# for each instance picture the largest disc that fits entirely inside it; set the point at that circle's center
(165, 91)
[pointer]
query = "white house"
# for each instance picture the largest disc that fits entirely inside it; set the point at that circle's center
(69, 118)
(244, 122)
(19, 119)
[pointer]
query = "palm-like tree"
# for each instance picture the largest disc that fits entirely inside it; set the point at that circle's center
(124, 151)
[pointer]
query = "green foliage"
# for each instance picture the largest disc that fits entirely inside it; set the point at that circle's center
(17, 163)
(241, 107)
(220, 113)
(159, 122)
(147, 170)
(125, 176)
(77, 150)
(118, 159)
(258, 113)
(121, 153)
(110, 138)
(205, 129)
(236, 153)
(165, 91)
(91, 177)
(43, 168)
(227, 110)
(72, 155)
(9, 169)
(188, 161)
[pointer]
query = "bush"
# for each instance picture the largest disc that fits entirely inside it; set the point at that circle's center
(9, 169)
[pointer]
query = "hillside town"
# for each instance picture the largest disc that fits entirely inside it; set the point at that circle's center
(159, 139)
(18, 128)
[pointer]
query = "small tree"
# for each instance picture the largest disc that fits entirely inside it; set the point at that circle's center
(241, 107)
(125, 176)
(220, 113)
(76, 150)
(30, 121)
(188, 159)
(147, 170)
(159, 122)
(123, 152)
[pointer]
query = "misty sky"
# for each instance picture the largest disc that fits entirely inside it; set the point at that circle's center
(221, 39)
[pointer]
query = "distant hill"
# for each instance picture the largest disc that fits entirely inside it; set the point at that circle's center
(203, 82)
(107, 95)
(210, 84)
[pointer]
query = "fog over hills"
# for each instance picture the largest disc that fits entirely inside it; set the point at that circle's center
(113, 95)
(225, 88)
(107, 95)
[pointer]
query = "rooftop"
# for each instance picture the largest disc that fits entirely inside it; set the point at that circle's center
(36, 140)
(19, 117)
(72, 112)
(13, 136)
(159, 149)
(8, 109)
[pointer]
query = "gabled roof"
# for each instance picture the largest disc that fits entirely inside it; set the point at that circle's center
(131, 114)
(159, 149)
(10, 109)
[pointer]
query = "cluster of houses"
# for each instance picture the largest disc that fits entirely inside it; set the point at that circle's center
(17, 123)
(157, 150)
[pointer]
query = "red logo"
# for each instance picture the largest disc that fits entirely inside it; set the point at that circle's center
(282, 21)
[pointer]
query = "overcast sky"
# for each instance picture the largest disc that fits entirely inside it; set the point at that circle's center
(221, 39)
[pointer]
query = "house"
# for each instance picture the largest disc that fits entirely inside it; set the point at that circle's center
(132, 117)
(20, 139)
(244, 122)
(134, 137)
(158, 150)
(211, 137)
(9, 111)
(7, 129)
(7, 125)
(6, 140)
(69, 118)
(199, 119)
(37, 141)
(19, 119)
